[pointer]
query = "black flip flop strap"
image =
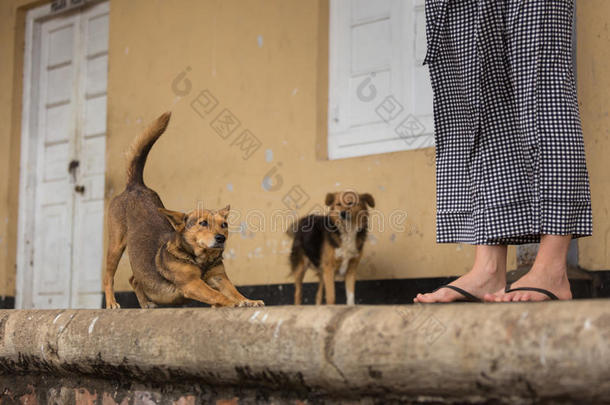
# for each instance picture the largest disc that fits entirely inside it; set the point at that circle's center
(538, 290)
(461, 291)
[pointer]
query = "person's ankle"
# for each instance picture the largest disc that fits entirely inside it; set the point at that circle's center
(489, 271)
(554, 270)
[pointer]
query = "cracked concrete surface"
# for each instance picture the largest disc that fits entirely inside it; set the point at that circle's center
(511, 353)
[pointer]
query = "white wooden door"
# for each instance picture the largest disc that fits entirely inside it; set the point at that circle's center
(69, 63)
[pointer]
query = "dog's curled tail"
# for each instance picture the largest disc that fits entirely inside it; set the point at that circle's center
(140, 147)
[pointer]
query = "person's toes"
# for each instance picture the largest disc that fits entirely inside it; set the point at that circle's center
(517, 297)
(435, 297)
(507, 298)
(422, 298)
(525, 297)
(493, 297)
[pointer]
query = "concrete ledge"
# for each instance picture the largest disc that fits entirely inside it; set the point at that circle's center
(464, 352)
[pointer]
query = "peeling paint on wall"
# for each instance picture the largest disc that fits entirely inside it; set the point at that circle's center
(256, 254)
(229, 254)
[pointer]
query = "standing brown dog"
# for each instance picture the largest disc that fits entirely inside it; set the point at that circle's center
(174, 256)
(331, 244)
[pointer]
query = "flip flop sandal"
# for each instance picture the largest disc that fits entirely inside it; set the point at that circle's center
(468, 297)
(549, 294)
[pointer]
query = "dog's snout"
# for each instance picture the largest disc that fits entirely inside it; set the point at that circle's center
(220, 238)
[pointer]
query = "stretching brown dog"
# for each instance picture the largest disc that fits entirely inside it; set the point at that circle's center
(174, 256)
(331, 244)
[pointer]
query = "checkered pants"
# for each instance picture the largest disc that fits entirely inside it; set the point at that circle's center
(510, 159)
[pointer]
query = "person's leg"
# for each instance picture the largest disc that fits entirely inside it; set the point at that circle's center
(488, 274)
(548, 272)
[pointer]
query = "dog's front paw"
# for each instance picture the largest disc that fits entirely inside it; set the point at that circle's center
(113, 305)
(228, 304)
(252, 303)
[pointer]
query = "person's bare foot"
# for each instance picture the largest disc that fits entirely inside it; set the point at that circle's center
(488, 274)
(549, 272)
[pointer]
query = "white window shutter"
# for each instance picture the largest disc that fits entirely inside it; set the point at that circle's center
(380, 98)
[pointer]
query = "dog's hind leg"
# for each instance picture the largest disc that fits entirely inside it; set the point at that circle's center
(320, 292)
(117, 231)
(299, 272)
(140, 295)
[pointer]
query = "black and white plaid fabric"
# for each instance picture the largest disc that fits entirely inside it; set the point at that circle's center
(510, 159)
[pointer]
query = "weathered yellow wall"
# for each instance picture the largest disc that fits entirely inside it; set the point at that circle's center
(266, 61)
(594, 96)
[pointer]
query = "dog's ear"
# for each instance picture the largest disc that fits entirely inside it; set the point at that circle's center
(330, 197)
(368, 199)
(225, 211)
(175, 218)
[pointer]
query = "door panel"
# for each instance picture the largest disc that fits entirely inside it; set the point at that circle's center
(97, 30)
(59, 120)
(55, 164)
(88, 253)
(52, 257)
(95, 117)
(59, 84)
(97, 70)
